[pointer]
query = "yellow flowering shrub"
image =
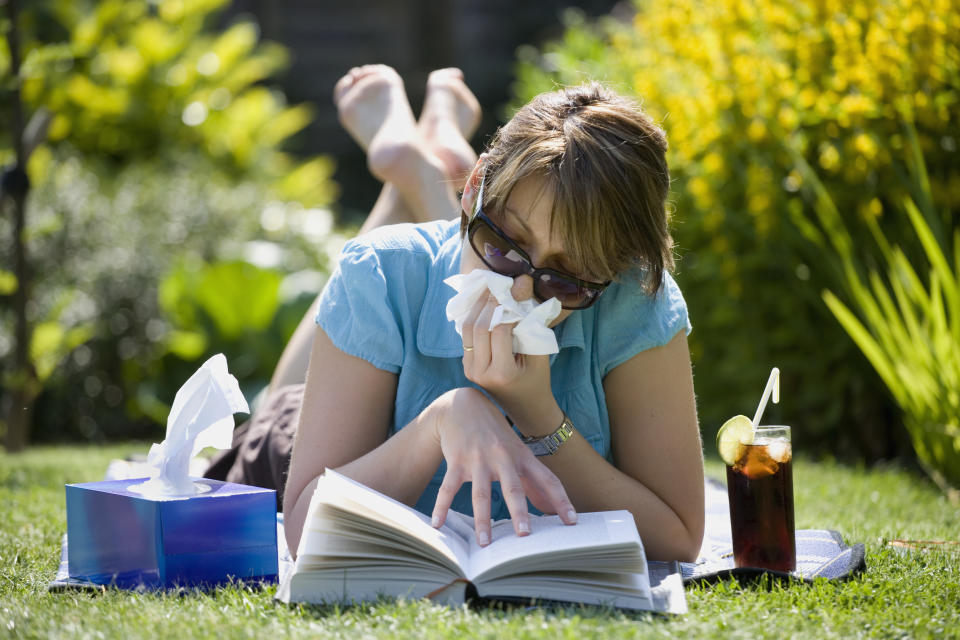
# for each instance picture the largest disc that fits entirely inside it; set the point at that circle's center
(738, 85)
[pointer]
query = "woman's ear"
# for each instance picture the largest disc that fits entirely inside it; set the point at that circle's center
(469, 197)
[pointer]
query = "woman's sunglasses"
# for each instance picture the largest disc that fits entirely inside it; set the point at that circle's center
(502, 255)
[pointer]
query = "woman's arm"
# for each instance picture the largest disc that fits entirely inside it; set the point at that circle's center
(346, 413)
(344, 422)
(656, 445)
(658, 472)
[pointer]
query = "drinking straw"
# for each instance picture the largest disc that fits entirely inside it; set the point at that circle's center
(773, 385)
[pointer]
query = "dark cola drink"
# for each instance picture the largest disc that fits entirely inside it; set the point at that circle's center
(760, 488)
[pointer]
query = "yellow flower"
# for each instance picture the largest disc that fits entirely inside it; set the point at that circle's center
(788, 118)
(757, 130)
(807, 97)
(713, 162)
(829, 156)
(865, 145)
(698, 186)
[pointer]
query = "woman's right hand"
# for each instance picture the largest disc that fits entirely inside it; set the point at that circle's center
(480, 447)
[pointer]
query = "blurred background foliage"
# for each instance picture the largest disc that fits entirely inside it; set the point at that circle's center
(166, 222)
(740, 86)
(163, 201)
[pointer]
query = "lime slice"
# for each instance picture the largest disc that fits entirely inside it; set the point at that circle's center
(734, 432)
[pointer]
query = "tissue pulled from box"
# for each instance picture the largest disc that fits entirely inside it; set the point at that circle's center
(201, 416)
(531, 335)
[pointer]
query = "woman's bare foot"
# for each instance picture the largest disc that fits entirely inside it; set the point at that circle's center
(449, 119)
(371, 99)
(373, 108)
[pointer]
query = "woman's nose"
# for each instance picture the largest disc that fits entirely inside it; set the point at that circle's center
(522, 288)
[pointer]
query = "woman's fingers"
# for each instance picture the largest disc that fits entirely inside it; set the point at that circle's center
(488, 356)
(481, 506)
(502, 357)
(484, 449)
(448, 489)
(468, 324)
(550, 487)
(516, 498)
(481, 336)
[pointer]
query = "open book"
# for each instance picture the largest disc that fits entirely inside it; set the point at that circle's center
(359, 544)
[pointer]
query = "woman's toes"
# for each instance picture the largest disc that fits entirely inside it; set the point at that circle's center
(448, 94)
(367, 98)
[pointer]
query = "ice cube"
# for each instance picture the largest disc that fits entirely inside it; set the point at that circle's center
(779, 450)
(757, 462)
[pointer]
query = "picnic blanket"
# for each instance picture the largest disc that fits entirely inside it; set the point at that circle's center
(821, 553)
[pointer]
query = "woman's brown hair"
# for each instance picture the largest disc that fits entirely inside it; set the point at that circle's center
(605, 160)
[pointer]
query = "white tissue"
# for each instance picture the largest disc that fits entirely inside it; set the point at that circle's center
(531, 335)
(201, 416)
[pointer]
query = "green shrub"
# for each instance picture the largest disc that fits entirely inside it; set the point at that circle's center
(130, 79)
(163, 160)
(126, 257)
(907, 326)
(731, 81)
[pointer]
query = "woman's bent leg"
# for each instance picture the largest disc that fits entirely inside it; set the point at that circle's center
(373, 108)
(371, 103)
(260, 455)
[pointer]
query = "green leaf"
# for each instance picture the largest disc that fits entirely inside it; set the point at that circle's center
(174, 298)
(923, 191)
(187, 345)
(8, 282)
(239, 296)
(887, 325)
(824, 206)
(935, 255)
(867, 344)
(50, 343)
(44, 345)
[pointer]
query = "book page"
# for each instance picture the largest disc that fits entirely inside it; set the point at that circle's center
(550, 540)
(462, 525)
(380, 511)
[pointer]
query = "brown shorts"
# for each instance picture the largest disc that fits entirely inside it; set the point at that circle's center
(260, 455)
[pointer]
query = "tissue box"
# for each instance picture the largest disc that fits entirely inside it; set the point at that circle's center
(117, 536)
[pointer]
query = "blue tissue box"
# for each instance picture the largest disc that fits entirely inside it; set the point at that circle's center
(117, 536)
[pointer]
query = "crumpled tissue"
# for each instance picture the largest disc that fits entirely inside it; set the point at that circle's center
(201, 416)
(531, 335)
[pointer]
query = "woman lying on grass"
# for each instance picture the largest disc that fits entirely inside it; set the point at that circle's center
(569, 201)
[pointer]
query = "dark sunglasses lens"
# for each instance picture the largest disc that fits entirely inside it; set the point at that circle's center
(570, 294)
(496, 252)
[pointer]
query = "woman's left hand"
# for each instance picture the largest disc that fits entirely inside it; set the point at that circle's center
(519, 383)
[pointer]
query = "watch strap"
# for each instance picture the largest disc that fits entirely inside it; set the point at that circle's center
(549, 444)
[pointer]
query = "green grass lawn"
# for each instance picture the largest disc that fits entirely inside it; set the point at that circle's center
(914, 594)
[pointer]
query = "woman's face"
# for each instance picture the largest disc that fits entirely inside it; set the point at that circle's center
(526, 220)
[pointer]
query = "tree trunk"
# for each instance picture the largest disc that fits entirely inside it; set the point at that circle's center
(24, 386)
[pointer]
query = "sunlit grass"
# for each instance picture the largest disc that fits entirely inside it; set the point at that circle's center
(900, 595)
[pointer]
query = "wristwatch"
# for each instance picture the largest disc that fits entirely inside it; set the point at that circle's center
(549, 444)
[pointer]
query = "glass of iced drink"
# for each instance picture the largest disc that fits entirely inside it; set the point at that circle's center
(760, 490)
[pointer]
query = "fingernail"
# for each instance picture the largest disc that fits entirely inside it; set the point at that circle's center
(484, 538)
(435, 521)
(572, 516)
(523, 527)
